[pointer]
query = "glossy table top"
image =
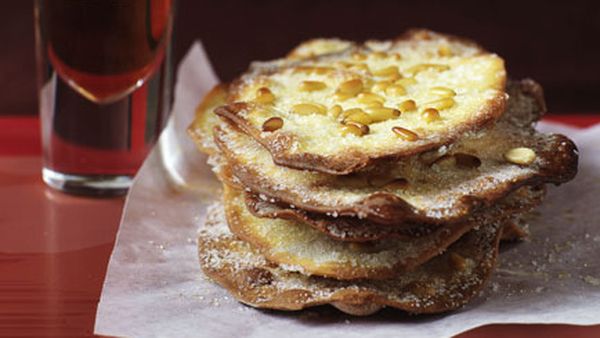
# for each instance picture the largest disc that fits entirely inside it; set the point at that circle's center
(54, 248)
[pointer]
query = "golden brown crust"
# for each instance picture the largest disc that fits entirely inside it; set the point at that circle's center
(556, 163)
(284, 146)
(349, 161)
(352, 229)
(382, 259)
(436, 286)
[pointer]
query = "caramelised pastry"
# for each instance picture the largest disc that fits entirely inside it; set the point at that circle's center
(395, 98)
(446, 282)
(299, 247)
(372, 175)
(352, 229)
(442, 185)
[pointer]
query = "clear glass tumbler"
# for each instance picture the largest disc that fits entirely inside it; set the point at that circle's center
(104, 84)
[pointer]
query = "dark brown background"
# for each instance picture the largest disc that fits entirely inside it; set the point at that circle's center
(554, 42)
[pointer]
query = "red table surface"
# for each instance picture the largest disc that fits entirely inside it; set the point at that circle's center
(54, 248)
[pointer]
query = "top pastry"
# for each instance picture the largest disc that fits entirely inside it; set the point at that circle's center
(336, 107)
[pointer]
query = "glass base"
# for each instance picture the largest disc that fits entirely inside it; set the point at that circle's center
(88, 185)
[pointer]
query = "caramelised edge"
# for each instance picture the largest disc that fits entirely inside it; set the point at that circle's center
(244, 226)
(352, 229)
(437, 286)
(428, 247)
(350, 160)
(200, 130)
(280, 144)
(525, 87)
(387, 208)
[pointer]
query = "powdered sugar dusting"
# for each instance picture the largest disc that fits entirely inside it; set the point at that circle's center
(240, 267)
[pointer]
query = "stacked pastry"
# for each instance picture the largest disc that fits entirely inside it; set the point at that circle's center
(372, 175)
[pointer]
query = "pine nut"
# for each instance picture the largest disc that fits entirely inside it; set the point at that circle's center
(272, 124)
(408, 105)
(521, 155)
(382, 114)
(407, 81)
(355, 128)
(312, 86)
(441, 104)
(369, 98)
(391, 71)
(431, 115)
(309, 108)
(444, 51)
(405, 134)
(396, 90)
(381, 86)
(335, 111)
(442, 91)
(264, 95)
(351, 87)
(358, 115)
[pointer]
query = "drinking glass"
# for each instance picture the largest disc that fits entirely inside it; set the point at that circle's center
(104, 85)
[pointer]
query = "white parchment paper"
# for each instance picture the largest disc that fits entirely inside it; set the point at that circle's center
(155, 288)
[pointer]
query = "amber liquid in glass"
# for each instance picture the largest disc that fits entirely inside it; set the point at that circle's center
(104, 83)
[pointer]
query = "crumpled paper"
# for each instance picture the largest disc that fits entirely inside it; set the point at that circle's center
(155, 288)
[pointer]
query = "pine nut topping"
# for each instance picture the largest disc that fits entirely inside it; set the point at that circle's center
(441, 104)
(521, 155)
(351, 87)
(335, 111)
(431, 115)
(396, 90)
(381, 86)
(374, 104)
(369, 98)
(358, 115)
(272, 124)
(391, 71)
(309, 108)
(355, 128)
(382, 114)
(445, 50)
(407, 81)
(351, 111)
(408, 105)
(313, 70)
(312, 86)
(342, 97)
(405, 134)
(443, 91)
(264, 96)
